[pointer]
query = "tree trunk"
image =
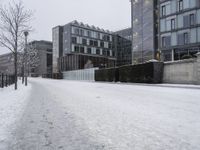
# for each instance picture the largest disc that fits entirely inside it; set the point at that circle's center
(23, 74)
(15, 64)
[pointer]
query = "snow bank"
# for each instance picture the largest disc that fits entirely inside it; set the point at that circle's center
(12, 104)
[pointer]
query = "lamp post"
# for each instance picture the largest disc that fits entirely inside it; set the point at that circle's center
(25, 66)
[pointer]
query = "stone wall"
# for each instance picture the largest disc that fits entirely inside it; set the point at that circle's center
(182, 72)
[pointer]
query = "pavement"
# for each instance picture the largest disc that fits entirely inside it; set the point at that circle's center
(71, 115)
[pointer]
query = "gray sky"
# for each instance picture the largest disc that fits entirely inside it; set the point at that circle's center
(108, 14)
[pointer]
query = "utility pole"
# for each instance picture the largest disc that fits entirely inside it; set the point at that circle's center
(26, 57)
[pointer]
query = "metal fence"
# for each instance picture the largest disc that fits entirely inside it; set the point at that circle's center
(83, 74)
(6, 80)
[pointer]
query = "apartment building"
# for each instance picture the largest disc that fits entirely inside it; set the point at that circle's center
(179, 32)
(78, 46)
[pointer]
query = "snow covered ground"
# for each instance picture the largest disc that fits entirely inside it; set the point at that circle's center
(12, 104)
(72, 115)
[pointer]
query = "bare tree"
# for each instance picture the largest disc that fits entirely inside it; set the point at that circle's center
(14, 21)
(31, 57)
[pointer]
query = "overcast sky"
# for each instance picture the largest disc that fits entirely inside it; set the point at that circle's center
(108, 14)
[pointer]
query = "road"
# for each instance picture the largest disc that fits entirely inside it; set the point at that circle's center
(69, 115)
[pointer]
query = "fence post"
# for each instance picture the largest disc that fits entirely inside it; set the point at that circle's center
(6, 80)
(2, 80)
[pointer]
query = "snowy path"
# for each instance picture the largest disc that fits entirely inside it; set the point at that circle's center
(68, 115)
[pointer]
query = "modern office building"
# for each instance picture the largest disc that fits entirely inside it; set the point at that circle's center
(43, 51)
(7, 63)
(123, 46)
(165, 29)
(144, 30)
(78, 46)
(179, 34)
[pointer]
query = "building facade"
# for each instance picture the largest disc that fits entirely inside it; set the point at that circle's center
(43, 51)
(144, 30)
(57, 39)
(7, 63)
(76, 38)
(123, 46)
(179, 33)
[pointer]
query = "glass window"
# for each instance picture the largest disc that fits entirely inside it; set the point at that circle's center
(174, 39)
(163, 41)
(77, 31)
(102, 44)
(168, 25)
(76, 48)
(180, 21)
(84, 41)
(185, 38)
(173, 24)
(93, 50)
(173, 6)
(91, 42)
(180, 5)
(186, 4)
(192, 20)
(95, 43)
(198, 16)
(198, 36)
(98, 51)
(162, 25)
(74, 40)
(193, 3)
(82, 49)
(81, 32)
(89, 33)
(73, 49)
(163, 10)
(89, 51)
(73, 30)
(168, 9)
(193, 35)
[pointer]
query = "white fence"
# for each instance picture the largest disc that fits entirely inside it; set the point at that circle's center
(84, 74)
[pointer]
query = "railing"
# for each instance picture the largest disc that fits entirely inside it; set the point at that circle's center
(6, 80)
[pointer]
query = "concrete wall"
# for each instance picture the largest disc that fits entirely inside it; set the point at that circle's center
(182, 72)
(84, 74)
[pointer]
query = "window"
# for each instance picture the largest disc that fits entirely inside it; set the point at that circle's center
(163, 10)
(76, 31)
(95, 43)
(98, 51)
(163, 41)
(192, 20)
(89, 50)
(98, 35)
(173, 25)
(91, 42)
(81, 32)
(82, 49)
(180, 5)
(74, 40)
(102, 44)
(185, 36)
(84, 41)
(108, 53)
(104, 52)
(89, 33)
(76, 48)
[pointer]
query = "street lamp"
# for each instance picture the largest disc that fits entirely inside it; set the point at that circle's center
(25, 67)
